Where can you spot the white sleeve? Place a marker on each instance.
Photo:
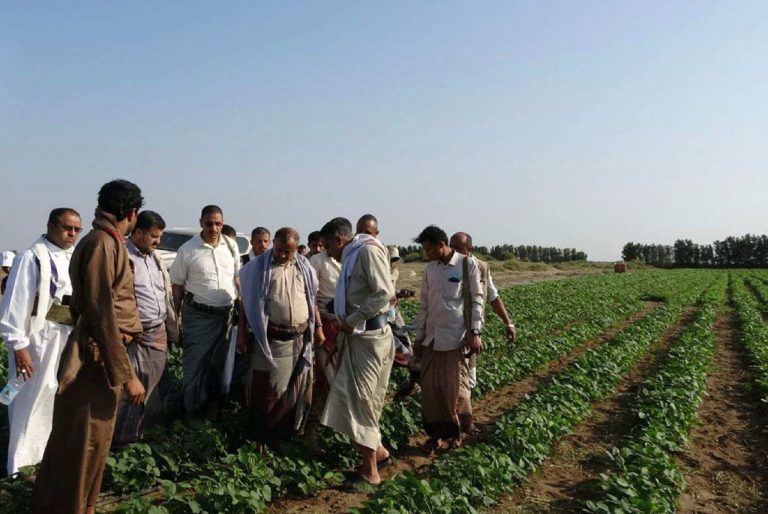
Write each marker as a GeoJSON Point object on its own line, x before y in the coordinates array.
{"type": "Point", "coordinates": [178, 271]}
{"type": "Point", "coordinates": [493, 293]}
{"type": "Point", "coordinates": [18, 301]}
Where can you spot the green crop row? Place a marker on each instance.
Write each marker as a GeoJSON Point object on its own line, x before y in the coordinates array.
{"type": "Point", "coordinates": [644, 477]}
{"type": "Point", "coordinates": [754, 331]}
{"type": "Point", "coordinates": [399, 420]}
{"type": "Point", "coordinates": [179, 453]}
{"type": "Point", "coordinates": [466, 479]}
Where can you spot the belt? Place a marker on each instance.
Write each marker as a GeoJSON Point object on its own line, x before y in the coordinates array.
{"type": "Point", "coordinates": [376, 322]}
{"type": "Point", "coordinates": [280, 332]}
{"type": "Point", "coordinates": [153, 326]}
{"type": "Point", "coordinates": [209, 309]}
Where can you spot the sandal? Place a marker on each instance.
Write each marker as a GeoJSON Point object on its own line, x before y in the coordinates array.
{"type": "Point", "coordinates": [356, 482]}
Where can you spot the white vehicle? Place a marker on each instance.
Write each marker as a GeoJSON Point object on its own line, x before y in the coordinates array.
{"type": "Point", "coordinates": [173, 238]}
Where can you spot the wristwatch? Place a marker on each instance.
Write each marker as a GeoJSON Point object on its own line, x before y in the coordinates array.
{"type": "Point", "coordinates": [475, 332]}
{"type": "Point", "coordinates": [511, 325]}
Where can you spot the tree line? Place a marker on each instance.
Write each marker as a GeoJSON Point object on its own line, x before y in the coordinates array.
{"type": "Point", "coordinates": [527, 253]}
{"type": "Point", "coordinates": [744, 251]}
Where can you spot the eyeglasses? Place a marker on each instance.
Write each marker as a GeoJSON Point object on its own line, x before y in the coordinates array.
{"type": "Point", "coordinates": [71, 228]}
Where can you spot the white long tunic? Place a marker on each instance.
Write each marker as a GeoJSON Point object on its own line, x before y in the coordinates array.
{"type": "Point", "coordinates": [31, 413]}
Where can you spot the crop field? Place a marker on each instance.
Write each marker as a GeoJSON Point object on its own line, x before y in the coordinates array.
{"type": "Point", "coordinates": [636, 392]}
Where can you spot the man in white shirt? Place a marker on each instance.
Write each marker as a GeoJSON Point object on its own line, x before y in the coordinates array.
{"type": "Point", "coordinates": [204, 277]}
{"type": "Point", "coordinates": [447, 331]}
{"type": "Point", "coordinates": [35, 323]}
{"type": "Point", "coordinates": [327, 269]}
{"type": "Point", "coordinates": [260, 237]}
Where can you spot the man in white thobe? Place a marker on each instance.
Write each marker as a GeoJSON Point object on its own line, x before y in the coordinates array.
{"type": "Point", "coordinates": [35, 324]}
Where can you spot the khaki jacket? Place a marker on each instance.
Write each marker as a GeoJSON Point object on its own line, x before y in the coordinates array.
{"type": "Point", "coordinates": [103, 305]}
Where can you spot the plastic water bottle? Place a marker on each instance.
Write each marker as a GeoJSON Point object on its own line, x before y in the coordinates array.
{"type": "Point", "coordinates": [11, 389]}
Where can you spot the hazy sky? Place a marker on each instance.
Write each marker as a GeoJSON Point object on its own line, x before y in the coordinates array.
{"type": "Point", "coordinates": [572, 124]}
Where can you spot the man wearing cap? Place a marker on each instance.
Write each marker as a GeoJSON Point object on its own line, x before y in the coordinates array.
{"type": "Point", "coordinates": [8, 256]}
{"type": "Point", "coordinates": [35, 323]}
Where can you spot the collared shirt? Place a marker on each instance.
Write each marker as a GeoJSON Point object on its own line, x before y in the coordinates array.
{"type": "Point", "coordinates": [149, 285]}
{"type": "Point", "coordinates": [207, 272]}
{"type": "Point", "coordinates": [287, 296]}
{"type": "Point", "coordinates": [19, 300]}
{"type": "Point", "coordinates": [327, 269]}
{"type": "Point", "coordinates": [440, 321]}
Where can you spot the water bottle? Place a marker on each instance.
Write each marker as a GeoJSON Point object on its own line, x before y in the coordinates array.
{"type": "Point", "coordinates": [11, 389]}
{"type": "Point", "coordinates": [391, 315]}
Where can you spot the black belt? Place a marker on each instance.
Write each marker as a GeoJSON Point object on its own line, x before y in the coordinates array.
{"type": "Point", "coordinates": [208, 309]}
{"type": "Point", "coordinates": [283, 333]}
{"type": "Point", "coordinates": [153, 327]}
{"type": "Point", "coordinates": [376, 322]}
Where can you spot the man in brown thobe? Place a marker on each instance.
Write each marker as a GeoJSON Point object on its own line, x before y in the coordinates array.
{"type": "Point", "coordinates": [94, 369]}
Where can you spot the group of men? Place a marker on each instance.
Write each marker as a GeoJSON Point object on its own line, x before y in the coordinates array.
{"type": "Point", "coordinates": [299, 337]}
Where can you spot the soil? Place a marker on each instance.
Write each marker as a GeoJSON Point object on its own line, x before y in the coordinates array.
{"type": "Point", "coordinates": [726, 463]}
{"type": "Point", "coordinates": [562, 485]}
{"type": "Point", "coordinates": [486, 410]}
{"type": "Point", "coordinates": [411, 273]}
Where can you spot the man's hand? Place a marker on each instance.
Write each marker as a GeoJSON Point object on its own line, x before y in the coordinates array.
{"type": "Point", "coordinates": [474, 344]}
{"type": "Point", "coordinates": [134, 391]}
{"type": "Point", "coordinates": [319, 335]}
{"type": "Point", "coordinates": [511, 333]}
{"type": "Point", "coordinates": [346, 327]}
{"type": "Point", "coordinates": [418, 347]}
{"type": "Point", "coordinates": [23, 363]}
{"type": "Point", "coordinates": [242, 341]}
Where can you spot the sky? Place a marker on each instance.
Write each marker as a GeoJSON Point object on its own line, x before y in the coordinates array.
{"type": "Point", "coordinates": [582, 124]}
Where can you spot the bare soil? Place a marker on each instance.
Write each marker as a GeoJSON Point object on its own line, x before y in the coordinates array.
{"type": "Point", "coordinates": [726, 463]}
{"type": "Point", "coordinates": [411, 273]}
{"type": "Point", "coordinates": [486, 410]}
{"type": "Point", "coordinates": [563, 483]}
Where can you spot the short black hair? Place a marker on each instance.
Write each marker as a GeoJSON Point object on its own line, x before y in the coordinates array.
{"type": "Point", "coordinates": [365, 218]}
{"type": "Point", "coordinates": [119, 198]}
{"type": "Point", "coordinates": [336, 227]}
{"type": "Point", "coordinates": [260, 230]}
{"type": "Point", "coordinates": [314, 236]}
{"type": "Point", "coordinates": [229, 231]}
{"type": "Point", "coordinates": [56, 214]}
{"type": "Point", "coordinates": [211, 209]}
{"type": "Point", "coordinates": [432, 235]}
{"type": "Point", "coordinates": [148, 220]}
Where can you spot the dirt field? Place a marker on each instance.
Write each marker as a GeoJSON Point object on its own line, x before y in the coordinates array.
{"type": "Point", "coordinates": [503, 276]}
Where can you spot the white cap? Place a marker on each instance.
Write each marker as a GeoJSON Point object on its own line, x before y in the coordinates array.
{"type": "Point", "coordinates": [8, 256]}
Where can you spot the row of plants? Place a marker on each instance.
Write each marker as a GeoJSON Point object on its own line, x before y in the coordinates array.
{"type": "Point", "coordinates": [399, 421]}
{"type": "Point", "coordinates": [179, 453]}
{"type": "Point", "coordinates": [644, 476]}
{"type": "Point", "coordinates": [754, 330]}
{"type": "Point", "coordinates": [471, 477]}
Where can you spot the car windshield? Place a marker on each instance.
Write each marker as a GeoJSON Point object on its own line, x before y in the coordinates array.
{"type": "Point", "coordinates": [171, 241]}
{"type": "Point", "coordinates": [242, 245]}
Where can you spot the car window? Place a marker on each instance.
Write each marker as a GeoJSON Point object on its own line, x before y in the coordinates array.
{"type": "Point", "coordinates": [242, 244]}
{"type": "Point", "coordinates": [171, 241]}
